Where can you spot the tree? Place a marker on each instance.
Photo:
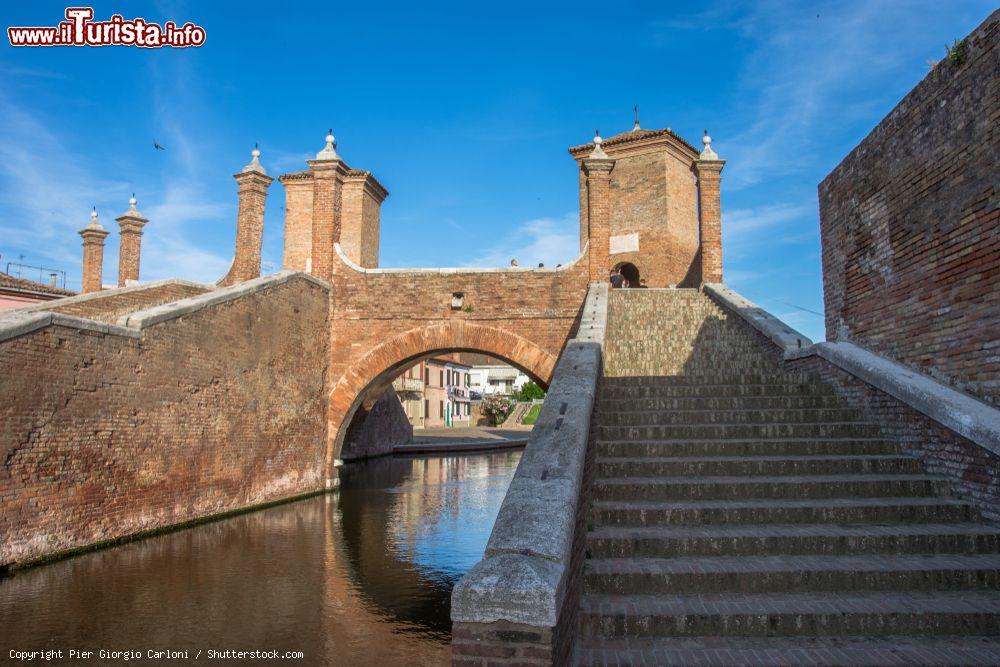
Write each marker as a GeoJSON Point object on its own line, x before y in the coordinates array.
{"type": "Point", "coordinates": [530, 391]}
{"type": "Point", "coordinates": [495, 408]}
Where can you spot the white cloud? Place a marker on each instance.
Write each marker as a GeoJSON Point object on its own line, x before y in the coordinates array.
{"type": "Point", "coordinates": [742, 222]}
{"type": "Point", "coordinates": [548, 240]}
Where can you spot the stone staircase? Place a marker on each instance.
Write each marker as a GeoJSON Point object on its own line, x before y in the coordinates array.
{"type": "Point", "coordinates": [741, 514]}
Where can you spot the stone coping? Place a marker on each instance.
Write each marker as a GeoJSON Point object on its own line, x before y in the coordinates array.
{"type": "Point", "coordinates": [969, 417]}
{"type": "Point", "coordinates": [25, 320]}
{"type": "Point", "coordinates": [19, 323]}
{"type": "Point", "coordinates": [103, 294]}
{"type": "Point", "coordinates": [458, 270]}
{"type": "Point", "coordinates": [523, 575]}
{"type": "Point", "coordinates": [782, 335]}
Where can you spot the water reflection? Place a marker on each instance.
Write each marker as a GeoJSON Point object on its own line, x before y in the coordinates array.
{"type": "Point", "coordinates": [363, 577]}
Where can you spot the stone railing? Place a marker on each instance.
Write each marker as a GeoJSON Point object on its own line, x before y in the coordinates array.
{"type": "Point", "coordinates": [520, 601]}
{"type": "Point", "coordinates": [952, 433]}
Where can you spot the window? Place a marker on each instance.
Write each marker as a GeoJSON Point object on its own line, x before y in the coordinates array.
{"type": "Point", "coordinates": [441, 408]}
{"type": "Point", "coordinates": [427, 376]}
{"type": "Point", "coordinates": [441, 378]}
{"type": "Point", "coordinates": [427, 408]}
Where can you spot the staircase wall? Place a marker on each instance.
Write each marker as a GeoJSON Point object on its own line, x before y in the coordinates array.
{"type": "Point", "coordinates": [973, 471]}
{"type": "Point", "coordinates": [204, 406]}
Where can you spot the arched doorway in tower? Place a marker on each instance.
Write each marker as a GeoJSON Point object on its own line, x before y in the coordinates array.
{"type": "Point", "coordinates": [630, 272]}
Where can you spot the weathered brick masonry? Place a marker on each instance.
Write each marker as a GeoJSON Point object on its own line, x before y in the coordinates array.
{"type": "Point", "coordinates": [653, 204]}
{"type": "Point", "coordinates": [109, 434]}
{"type": "Point", "coordinates": [910, 225]}
{"type": "Point", "coordinates": [973, 472]}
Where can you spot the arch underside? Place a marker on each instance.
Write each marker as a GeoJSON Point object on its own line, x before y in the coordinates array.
{"type": "Point", "coordinates": [368, 378]}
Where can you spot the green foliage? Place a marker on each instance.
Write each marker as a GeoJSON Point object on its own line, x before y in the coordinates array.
{"type": "Point", "coordinates": [530, 392]}
{"type": "Point", "coordinates": [495, 408]}
{"type": "Point", "coordinates": [957, 53]}
{"type": "Point", "coordinates": [532, 416]}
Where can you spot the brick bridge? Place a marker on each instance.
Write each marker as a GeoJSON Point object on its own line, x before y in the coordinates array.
{"type": "Point", "coordinates": [160, 403]}
{"type": "Point", "coordinates": [641, 194]}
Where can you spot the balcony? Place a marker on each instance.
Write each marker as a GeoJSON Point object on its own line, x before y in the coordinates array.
{"type": "Point", "coordinates": [408, 384]}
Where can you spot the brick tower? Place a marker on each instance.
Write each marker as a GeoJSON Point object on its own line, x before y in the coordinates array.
{"type": "Point", "coordinates": [130, 224]}
{"type": "Point", "coordinates": [659, 188]}
{"type": "Point", "coordinates": [331, 203]}
{"type": "Point", "coordinates": [93, 254]}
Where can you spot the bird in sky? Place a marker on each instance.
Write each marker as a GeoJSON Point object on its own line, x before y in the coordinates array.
{"type": "Point", "coordinates": [158, 146]}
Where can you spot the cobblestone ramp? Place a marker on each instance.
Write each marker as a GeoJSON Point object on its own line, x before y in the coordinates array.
{"type": "Point", "coordinates": [741, 514]}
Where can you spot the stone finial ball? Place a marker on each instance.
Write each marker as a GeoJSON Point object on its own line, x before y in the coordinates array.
{"type": "Point", "coordinates": [93, 213]}
{"type": "Point", "coordinates": [132, 201]}
{"type": "Point", "coordinates": [329, 138]}
{"type": "Point", "coordinates": [706, 140]}
{"type": "Point", "coordinates": [255, 153]}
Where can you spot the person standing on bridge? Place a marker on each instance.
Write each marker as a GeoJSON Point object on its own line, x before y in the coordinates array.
{"type": "Point", "coordinates": [617, 279]}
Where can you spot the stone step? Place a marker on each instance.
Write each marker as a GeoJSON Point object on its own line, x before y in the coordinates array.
{"type": "Point", "coordinates": [746, 416]}
{"type": "Point", "coordinates": [747, 447]}
{"type": "Point", "coordinates": [781, 573]}
{"type": "Point", "coordinates": [722, 487]}
{"type": "Point", "coordinates": [793, 614]}
{"type": "Point", "coordinates": [721, 378]}
{"type": "Point", "coordinates": [793, 402]}
{"type": "Point", "coordinates": [661, 369]}
{"type": "Point", "coordinates": [801, 539]}
{"type": "Point", "coordinates": [860, 651]}
{"type": "Point", "coordinates": [683, 466]}
{"type": "Point", "coordinates": [739, 431]}
{"type": "Point", "coordinates": [610, 392]}
{"type": "Point", "coordinates": [619, 513]}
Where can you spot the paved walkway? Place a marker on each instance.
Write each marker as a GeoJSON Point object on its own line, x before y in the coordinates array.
{"type": "Point", "coordinates": [462, 439]}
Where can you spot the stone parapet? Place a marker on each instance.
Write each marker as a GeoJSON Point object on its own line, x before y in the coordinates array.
{"type": "Point", "coordinates": [782, 335]}
{"type": "Point", "coordinates": [520, 600]}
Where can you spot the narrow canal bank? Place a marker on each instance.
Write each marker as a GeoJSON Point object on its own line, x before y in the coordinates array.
{"type": "Point", "coordinates": [363, 576]}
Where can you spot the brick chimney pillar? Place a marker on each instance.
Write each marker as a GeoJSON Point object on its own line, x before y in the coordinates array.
{"type": "Point", "coordinates": [328, 179]}
{"type": "Point", "coordinates": [93, 254]}
{"type": "Point", "coordinates": [708, 166]}
{"type": "Point", "coordinates": [597, 167]}
{"type": "Point", "coordinates": [130, 225]}
{"type": "Point", "coordinates": [253, 182]}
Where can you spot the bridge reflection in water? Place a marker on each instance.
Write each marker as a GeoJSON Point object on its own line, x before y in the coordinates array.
{"type": "Point", "coordinates": [363, 577]}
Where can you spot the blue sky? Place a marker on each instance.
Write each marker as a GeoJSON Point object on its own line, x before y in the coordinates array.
{"type": "Point", "coordinates": [464, 111]}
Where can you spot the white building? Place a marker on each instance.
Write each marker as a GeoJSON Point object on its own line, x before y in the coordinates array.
{"type": "Point", "coordinates": [492, 379]}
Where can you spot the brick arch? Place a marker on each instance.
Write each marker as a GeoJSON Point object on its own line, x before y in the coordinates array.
{"type": "Point", "coordinates": [367, 379]}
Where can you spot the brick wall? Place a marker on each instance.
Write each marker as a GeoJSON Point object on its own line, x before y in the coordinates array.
{"type": "Point", "coordinates": [911, 228]}
{"type": "Point", "coordinates": [110, 305]}
{"type": "Point", "coordinates": [654, 195]}
{"type": "Point", "coordinates": [108, 435]}
{"type": "Point", "coordinates": [298, 220]}
{"type": "Point", "coordinates": [384, 426]}
{"type": "Point", "coordinates": [972, 470]}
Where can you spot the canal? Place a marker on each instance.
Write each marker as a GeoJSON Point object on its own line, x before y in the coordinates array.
{"type": "Point", "coordinates": [361, 577]}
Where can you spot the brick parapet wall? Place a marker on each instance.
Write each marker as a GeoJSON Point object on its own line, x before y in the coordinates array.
{"type": "Point", "coordinates": [108, 435]}
{"type": "Point", "coordinates": [910, 224]}
{"type": "Point", "coordinates": [972, 471]}
{"type": "Point", "coordinates": [110, 305]}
